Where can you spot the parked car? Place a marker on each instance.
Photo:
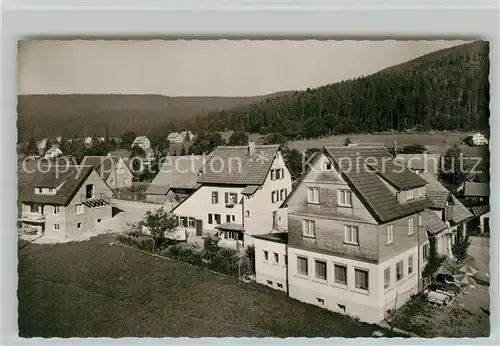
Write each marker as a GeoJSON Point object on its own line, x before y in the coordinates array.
{"type": "Point", "coordinates": [444, 287]}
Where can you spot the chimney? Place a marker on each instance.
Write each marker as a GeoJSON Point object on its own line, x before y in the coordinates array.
{"type": "Point", "coordinates": [448, 209]}
{"type": "Point", "coordinates": [251, 148]}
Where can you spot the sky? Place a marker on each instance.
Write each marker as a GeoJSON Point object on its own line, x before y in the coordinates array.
{"type": "Point", "coordinates": [204, 68]}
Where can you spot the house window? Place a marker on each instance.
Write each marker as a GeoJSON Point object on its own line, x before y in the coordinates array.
{"type": "Point", "coordinates": [302, 265]}
{"type": "Point", "coordinates": [313, 195]}
{"type": "Point", "coordinates": [361, 279]}
{"type": "Point", "coordinates": [210, 219]}
{"type": "Point", "coordinates": [56, 209]}
{"type": "Point", "coordinates": [112, 182]}
{"type": "Point", "coordinates": [273, 174]}
{"type": "Point", "coordinates": [399, 270]}
{"type": "Point", "coordinates": [425, 251]}
{"type": "Point", "coordinates": [320, 270]}
{"type": "Point", "coordinates": [51, 190]}
{"type": "Point", "coordinates": [215, 197]}
{"type": "Point", "coordinates": [276, 258]}
{"type": "Point", "coordinates": [308, 228]}
{"type": "Point", "coordinates": [351, 234]}
{"type": "Point", "coordinates": [274, 196]}
{"type": "Point", "coordinates": [125, 181]}
{"type": "Point", "coordinates": [40, 190]}
{"type": "Point", "coordinates": [56, 227]}
{"type": "Point", "coordinates": [230, 218]}
{"type": "Point", "coordinates": [328, 165]}
{"type": "Point", "coordinates": [320, 301]}
{"type": "Point", "coordinates": [410, 226]}
{"type": "Point", "coordinates": [269, 282]}
{"type": "Point", "coordinates": [278, 174]}
{"type": "Point", "coordinates": [217, 218]}
{"type": "Point", "coordinates": [89, 191]}
{"type": "Point", "coordinates": [266, 255]}
{"type": "Point", "coordinates": [341, 307]}
{"type": "Point", "coordinates": [79, 225]}
{"type": "Point", "coordinates": [340, 274]}
{"type": "Point", "coordinates": [230, 198]}
{"type": "Point", "coordinates": [99, 220]}
{"type": "Point", "coordinates": [247, 213]}
{"type": "Point", "coordinates": [410, 265]}
{"type": "Point", "coordinates": [79, 209]}
{"type": "Point", "coordinates": [409, 194]}
{"type": "Point", "coordinates": [345, 198]}
{"type": "Point", "coordinates": [282, 194]}
{"type": "Point", "coordinates": [390, 234]}
{"type": "Point", "coordinates": [387, 277]}
{"type": "Point", "coordinates": [279, 285]}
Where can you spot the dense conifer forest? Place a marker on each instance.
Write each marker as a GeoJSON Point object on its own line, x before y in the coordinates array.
{"type": "Point", "coordinates": [444, 90]}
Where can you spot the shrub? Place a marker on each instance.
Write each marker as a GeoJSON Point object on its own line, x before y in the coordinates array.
{"type": "Point", "coordinates": [188, 253]}
{"type": "Point", "coordinates": [139, 241]}
{"type": "Point", "coordinates": [250, 253]}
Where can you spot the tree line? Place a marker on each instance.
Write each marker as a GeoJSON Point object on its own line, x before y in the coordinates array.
{"type": "Point", "coordinates": [446, 90]}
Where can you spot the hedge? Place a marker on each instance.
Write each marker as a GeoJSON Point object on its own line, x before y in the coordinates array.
{"type": "Point", "coordinates": [222, 260]}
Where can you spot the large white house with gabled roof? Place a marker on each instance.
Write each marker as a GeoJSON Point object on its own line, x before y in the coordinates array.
{"type": "Point", "coordinates": [239, 195]}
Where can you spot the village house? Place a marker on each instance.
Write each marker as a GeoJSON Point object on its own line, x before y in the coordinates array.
{"type": "Point", "coordinates": [429, 163]}
{"type": "Point", "coordinates": [112, 169]}
{"type": "Point", "coordinates": [356, 235]}
{"type": "Point", "coordinates": [61, 203]}
{"type": "Point", "coordinates": [481, 220]}
{"type": "Point", "coordinates": [477, 139]}
{"type": "Point", "coordinates": [142, 142]}
{"type": "Point", "coordinates": [53, 152]}
{"type": "Point", "coordinates": [175, 181]}
{"type": "Point", "coordinates": [476, 192]}
{"type": "Point", "coordinates": [180, 137]}
{"type": "Point", "coordinates": [41, 145]}
{"type": "Point", "coordinates": [88, 141]}
{"type": "Point", "coordinates": [452, 215]}
{"type": "Point", "coordinates": [241, 189]}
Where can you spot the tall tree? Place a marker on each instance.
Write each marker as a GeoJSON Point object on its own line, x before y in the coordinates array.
{"type": "Point", "coordinates": [159, 224]}
{"type": "Point", "coordinates": [31, 148]}
{"type": "Point", "coordinates": [238, 138]}
{"type": "Point", "coordinates": [128, 138]}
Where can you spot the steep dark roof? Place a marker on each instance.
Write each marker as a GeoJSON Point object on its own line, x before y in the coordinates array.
{"type": "Point", "coordinates": [102, 164]}
{"type": "Point", "coordinates": [460, 212]}
{"type": "Point", "coordinates": [369, 186]}
{"type": "Point", "coordinates": [233, 165]}
{"type": "Point", "coordinates": [476, 189]}
{"type": "Point", "coordinates": [432, 222]}
{"type": "Point", "coordinates": [436, 192]}
{"type": "Point", "coordinates": [180, 172]}
{"type": "Point", "coordinates": [69, 183]}
{"type": "Point", "coordinates": [429, 163]}
{"type": "Point", "coordinates": [478, 210]}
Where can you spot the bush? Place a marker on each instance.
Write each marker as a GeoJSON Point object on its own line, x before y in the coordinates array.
{"type": "Point", "coordinates": [141, 242]}
{"type": "Point", "coordinates": [188, 253]}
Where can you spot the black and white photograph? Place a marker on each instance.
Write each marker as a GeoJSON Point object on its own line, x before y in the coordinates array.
{"type": "Point", "coordinates": [253, 188]}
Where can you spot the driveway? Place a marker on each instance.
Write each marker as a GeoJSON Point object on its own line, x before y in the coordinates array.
{"type": "Point", "coordinates": [125, 212]}
{"type": "Point", "coordinates": [479, 252]}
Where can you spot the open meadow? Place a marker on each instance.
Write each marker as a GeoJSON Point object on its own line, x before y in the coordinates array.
{"type": "Point", "coordinates": [94, 289]}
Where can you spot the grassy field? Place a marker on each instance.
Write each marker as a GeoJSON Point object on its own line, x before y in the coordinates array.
{"type": "Point", "coordinates": [436, 142]}
{"type": "Point", "coordinates": [96, 289]}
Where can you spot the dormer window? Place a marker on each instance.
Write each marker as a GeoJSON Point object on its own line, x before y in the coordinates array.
{"type": "Point", "coordinates": [89, 191]}
{"type": "Point", "coordinates": [409, 194]}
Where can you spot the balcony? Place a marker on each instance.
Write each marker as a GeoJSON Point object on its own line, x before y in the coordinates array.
{"type": "Point", "coordinates": [32, 217]}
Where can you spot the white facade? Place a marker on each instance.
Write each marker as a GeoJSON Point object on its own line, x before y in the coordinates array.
{"type": "Point", "coordinates": [479, 139]}
{"type": "Point", "coordinates": [53, 153]}
{"type": "Point", "coordinates": [270, 263]}
{"type": "Point", "coordinates": [369, 305]}
{"type": "Point", "coordinates": [142, 142]}
{"type": "Point", "coordinates": [254, 213]}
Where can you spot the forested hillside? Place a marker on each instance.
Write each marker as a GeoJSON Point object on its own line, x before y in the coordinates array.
{"type": "Point", "coordinates": [444, 90]}
{"type": "Point", "coordinates": [87, 115]}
